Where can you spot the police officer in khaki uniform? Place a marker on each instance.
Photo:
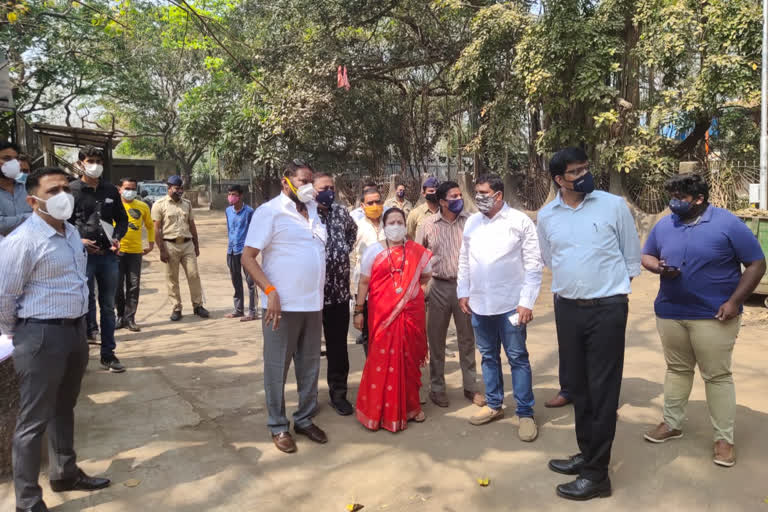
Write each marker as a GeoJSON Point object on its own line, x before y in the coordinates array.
{"type": "Point", "coordinates": [176, 237]}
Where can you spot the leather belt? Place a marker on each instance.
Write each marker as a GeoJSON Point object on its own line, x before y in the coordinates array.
{"type": "Point", "coordinates": [177, 240]}
{"type": "Point", "coordinates": [447, 279]}
{"type": "Point", "coordinates": [50, 321]}
{"type": "Point", "coordinates": [602, 301]}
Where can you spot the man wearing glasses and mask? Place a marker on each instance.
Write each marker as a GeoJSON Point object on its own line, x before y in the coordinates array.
{"type": "Point", "coordinates": [588, 239]}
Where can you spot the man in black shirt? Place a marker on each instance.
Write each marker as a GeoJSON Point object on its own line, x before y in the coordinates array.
{"type": "Point", "coordinates": [99, 210]}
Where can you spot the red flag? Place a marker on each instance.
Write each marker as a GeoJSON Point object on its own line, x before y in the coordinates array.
{"type": "Point", "coordinates": [339, 78]}
{"type": "Point", "coordinates": [345, 79]}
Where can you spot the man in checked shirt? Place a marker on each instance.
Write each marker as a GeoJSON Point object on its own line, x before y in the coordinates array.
{"type": "Point", "coordinates": [441, 233]}
{"type": "Point", "coordinates": [43, 303]}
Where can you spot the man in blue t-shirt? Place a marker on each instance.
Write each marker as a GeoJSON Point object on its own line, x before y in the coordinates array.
{"type": "Point", "coordinates": [698, 251]}
{"type": "Point", "coordinates": [239, 217]}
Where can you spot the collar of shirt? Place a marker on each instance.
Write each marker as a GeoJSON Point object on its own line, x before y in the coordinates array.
{"type": "Point", "coordinates": [48, 231]}
{"type": "Point", "coordinates": [561, 202]}
{"type": "Point", "coordinates": [439, 217]}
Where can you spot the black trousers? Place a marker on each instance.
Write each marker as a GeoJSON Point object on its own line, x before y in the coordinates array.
{"type": "Point", "coordinates": [336, 329]}
{"type": "Point", "coordinates": [591, 342]}
{"type": "Point", "coordinates": [128, 284]}
{"type": "Point", "coordinates": [236, 271]}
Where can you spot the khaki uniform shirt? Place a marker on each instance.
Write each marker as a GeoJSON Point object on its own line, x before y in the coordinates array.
{"type": "Point", "coordinates": [174, 217]}
{"type": "Point", "coordinates": [406, 205]}
{"type": "Point", "coordinates": [415, 217]}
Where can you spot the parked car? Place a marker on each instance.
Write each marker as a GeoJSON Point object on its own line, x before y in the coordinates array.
{"type": "Point", "coordinates": [151, 191]}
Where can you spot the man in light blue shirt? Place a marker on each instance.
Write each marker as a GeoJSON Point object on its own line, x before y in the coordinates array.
{"type": "Point", "coordinates": [588, 239]}
{"type": "Point", "coordinates": [239, 217]}
{"type": "Point", "coordinates": [13, 198]}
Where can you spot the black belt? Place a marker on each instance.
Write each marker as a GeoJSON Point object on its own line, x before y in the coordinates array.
{"type": "Point", "coordinates": [178, 240]}
{"type": "Point", "coordinates": [50, 321]}
{"type": "Point", "coordinates": [602, 301]}
{"type": "Point", "coordinates": [448, 279]}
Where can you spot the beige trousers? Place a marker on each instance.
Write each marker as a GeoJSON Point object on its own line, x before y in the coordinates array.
{"type": "Point", "coordinates": [708, 343]}
{"type": "Point", "coordinates": [183, 254]}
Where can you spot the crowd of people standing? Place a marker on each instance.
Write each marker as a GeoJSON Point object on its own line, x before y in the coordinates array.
{"type": "Point", "coordinates": [401, 274]}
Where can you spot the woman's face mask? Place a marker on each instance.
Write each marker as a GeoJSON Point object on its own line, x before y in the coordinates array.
{"type": "Point", "coordinates": [395, 232]}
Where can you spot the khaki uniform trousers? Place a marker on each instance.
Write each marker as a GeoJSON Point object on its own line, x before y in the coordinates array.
{"type": "Point", "coordinates": [708, 343]}
{"type": "Point", "coordinates": [184, 254]}
{"type": "Point", "coordinates": [443, 303]}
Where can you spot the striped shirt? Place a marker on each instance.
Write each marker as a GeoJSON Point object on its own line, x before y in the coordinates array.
{"type": "Point", "coordinates": [43, 274]}
{"type": "Point", "coordinates": [443, 238]}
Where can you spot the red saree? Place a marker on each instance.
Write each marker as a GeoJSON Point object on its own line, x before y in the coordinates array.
{"type": "Point", "coordinates": [389, 389]}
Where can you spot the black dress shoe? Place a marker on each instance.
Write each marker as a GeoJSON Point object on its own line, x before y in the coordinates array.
{"type": "Point", "coordinates": [313, 432]}
{"type": "Point", "coordinates": [37, 507]}
{"type": "Point", "coordinates": [583, 489]}
{"type": "Point", "coordinates": [201, 312]}
{"type": "Point", "coordinates": [570, 466]}
{"type": "Point", "coordinates": [81, 482]}
{"type": "Point", "coordinates": [342, 406]}
{"type": "Point", "coordinates": [119, 323]}
{"type": "Point", "coordinates": [131, 325]}
{"type": "Point", "coordinates": [175, 316]}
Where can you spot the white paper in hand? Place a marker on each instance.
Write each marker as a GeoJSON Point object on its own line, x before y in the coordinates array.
{"type": "Point", "coordinates": [109, 229]}
{"type": "Point", "coordinates": [514, 318]}
{"type": "Point", "coordinates": [6, 347]}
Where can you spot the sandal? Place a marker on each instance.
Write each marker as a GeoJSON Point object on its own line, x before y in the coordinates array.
{"type": "Point", "coordinates": [248, 318]}
{"type": "Point", "coordinates": [233, 315]}
{"type": "Point", "coordinates": [420, 418]}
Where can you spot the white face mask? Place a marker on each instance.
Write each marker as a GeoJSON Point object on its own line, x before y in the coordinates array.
{"type": "Point", "coordinates": [306, 193]}
{"type": "Point", "coordinates": [93, 170]}
{"type": "Point", "coordinates": [11, 169]}
{"type": "Point", "coordinates": [394, 232]}
{"type": "Point", "coordinates": [59, 206]}
{"type": "Point", "coordinates": [129, 195]}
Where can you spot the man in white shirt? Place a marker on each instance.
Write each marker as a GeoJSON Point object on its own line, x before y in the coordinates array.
{"type": "Point", "coordinates": [290, 237]}
{"type": "Point", "coordinates": [498, 282]}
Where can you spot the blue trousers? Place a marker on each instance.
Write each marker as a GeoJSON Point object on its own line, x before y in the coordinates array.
{"type": "Point", "coordinates": [103, 271]}
{"type": "Point", "coordinates": [492, 333]}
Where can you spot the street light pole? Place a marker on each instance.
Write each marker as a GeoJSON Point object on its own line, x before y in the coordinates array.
{"type": "Point", "coordinates": [764, 115]}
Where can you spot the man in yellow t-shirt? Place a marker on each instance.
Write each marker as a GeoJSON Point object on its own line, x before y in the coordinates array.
{"type": "Point", "coordinates": [131, 252]}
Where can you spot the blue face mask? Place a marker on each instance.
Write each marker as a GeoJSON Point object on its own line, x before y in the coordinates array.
{"type": "Point", "coordinates": [455, 205]}
{"type": "Point", "coordinates": [22, 178]}
{"type": "Point", "coordinates": [679, 207]}
{"type": "Point", "coordinates": [584, 184]}
{"type": "Point", "coordinates": [326, 197]}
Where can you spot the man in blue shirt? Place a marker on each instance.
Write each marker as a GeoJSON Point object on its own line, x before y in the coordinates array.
{"type": "Point", "coordinates": [13, 198]}
{"type": "Point", "coordinates": [588, 239]}
{"type": "Point", "coordinates": [239, 217]}
{"type": "Point", "coordinates": [698, 251]}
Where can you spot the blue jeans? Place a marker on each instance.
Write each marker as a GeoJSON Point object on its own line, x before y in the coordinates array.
{"type": "Point", "coordinates": [103, 270]}
{"type": "Point", "coordinates": [493, 332]}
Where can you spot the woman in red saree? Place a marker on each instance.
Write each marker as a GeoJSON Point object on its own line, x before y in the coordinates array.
{"type": "Point", "coordinates": [392, 273]}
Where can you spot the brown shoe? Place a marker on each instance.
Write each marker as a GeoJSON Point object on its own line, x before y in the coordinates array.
{"type": "Point", "coordinates": [313, 432]}
{"type": "Point", "coordinates": [557, 401]}
{"type": "Point", "coordinates": [725, 454]}
{"type": "Point", "coordinates": [662, 433]}
{"type": "Point", "coordinates": [284, 442]}
{"type": "Point", "coordinates": [439, 398]}
{"type": "Point", "coordinates": [486, 415]}
{"type": "Point", "coordinates": [476, 398]}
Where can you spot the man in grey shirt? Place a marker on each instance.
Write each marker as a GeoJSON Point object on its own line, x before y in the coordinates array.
{"type": "Point", "coordinates": [43, 302]}
{"type": "Point", "coordinates": [13, 198]}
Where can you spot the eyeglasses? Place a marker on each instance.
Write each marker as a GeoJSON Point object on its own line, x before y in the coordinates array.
{"type": "Point", "coordinates": [298, 162]}
{"type": "Point", "coordinates": [578, 172]}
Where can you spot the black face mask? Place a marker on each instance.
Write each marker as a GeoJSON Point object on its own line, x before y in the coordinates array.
{"type": "Point", "coordinates": [432, 198]}
{"type": "Point", "coordinates": [584, 184]}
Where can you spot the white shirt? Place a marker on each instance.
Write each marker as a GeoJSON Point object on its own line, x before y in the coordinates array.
{"type": "Point", "coordinates": [499, 262]}
{"type": "Point", "coordinates": [367, 235]}
{"type": "Point", "coordinates": [292, 252]}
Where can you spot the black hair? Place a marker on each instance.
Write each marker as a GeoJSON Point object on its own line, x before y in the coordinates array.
{"type": "Point", "coordinates": [23, 157]}
{"type": "Point", "coordinates": [688, 185]}
{"type": "Point", "coordinates": [318, 175]}
{"type": "Point", "coordinates": [370, 184]}
{"type": "Point", "coordinates": [235, 188]}
{"type": "Point", "coordinates": [292, 167]}
{"type": "Point", "coordinates": [559, 162]}
{"type": "Point", "coordinates": [369, 190]}
{"type": "Point", "coordinates": [33, 180]}
{"type": "Point", "coordinates": [493, 181]}
{"type": "Point", "coordinates": [4, 144]}
{"type": "Point", "coordinates": [127, 179]}
{"type": "Point", "coordinates": [89, 150]}
{"type": "Point", "coordinates": [390, 211]}
{"type": "Point", "coordinates": [442, 190]}
{"type": "Point", "coordinates": [399, 183]}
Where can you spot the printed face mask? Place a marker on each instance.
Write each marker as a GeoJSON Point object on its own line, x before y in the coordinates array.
{"type": "Point", "coordinates": [485, 202]}
{"type": "Point", "coordinates": [326, 197]}
{"type": "Point", "coordinates": [679, 207]}
{"type": "Point", "coordinates": [584, 184]}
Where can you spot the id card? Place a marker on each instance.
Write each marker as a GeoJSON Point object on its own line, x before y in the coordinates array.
{"type": "Point", "coordinates": [514, 318]}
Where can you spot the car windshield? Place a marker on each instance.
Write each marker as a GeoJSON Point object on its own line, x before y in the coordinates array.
{"type": "Point", "coordinates": [155, 189]}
